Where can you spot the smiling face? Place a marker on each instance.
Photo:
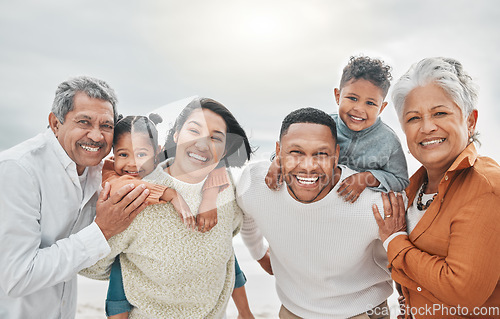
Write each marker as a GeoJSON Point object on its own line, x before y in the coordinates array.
{"type": "Point", "coordinates": [360, 102]}
{"type": "Point", "coordinates": [87, 132]}
{"type": "Point", "coordinates": [308, 156]}
{"type": "Point", "coordinates": [134, 155]}
{"type": "Point", "coordinates": [435, 128]}
{"type": "Point", "coordinates": [200, 145]}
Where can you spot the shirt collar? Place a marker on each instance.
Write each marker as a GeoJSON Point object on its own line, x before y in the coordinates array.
{"type": "Point", "coordinates": [93, 172]}
{"type": "Point", "coordinates": [61, 154]}
{"type": "Point", "coordinates": [465, 160]}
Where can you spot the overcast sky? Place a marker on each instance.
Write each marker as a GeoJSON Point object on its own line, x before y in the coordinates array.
{"type": "Point", "coordinates": [262, 59]}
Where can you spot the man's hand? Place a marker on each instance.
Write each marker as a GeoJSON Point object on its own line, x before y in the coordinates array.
{"type": "Point", "coordinates": [115, 213]}
{"type": "Point", "coordinates": [265, 263]}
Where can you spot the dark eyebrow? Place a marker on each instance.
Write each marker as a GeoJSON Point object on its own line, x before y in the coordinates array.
{"type": "Point", "coordinates": [352, 93]}
{"type": "Point", "coordinates": [219, 132]}
{"type": "Point", "coordinates": [83, 116]}
{"type": "Point", "coordinates": [216, 131]}
{"type": "Point", "coordinates": [193, 121]}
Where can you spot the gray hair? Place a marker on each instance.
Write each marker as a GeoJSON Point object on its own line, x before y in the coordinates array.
{"type": "Point", "coordinates": [94, 88]}
{"type": "Point", "coordinates": [445, 72]}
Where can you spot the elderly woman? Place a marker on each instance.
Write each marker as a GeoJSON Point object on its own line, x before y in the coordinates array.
{"type": "Point", "coordinates": [445, 251]}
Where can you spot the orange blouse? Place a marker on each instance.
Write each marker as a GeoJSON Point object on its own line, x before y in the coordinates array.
{"type": "Point", "coordinates": [449, 266]}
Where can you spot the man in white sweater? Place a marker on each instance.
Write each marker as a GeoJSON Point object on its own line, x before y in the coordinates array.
{"type": "Point", "coordinates": [325, 253]}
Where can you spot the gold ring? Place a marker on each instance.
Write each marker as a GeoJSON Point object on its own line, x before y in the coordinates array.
{"type": "Point", "coordinates": [387, 216]}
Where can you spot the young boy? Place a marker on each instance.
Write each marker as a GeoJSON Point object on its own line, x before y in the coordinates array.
{"type": "Point", "coordinates": [367, 144]}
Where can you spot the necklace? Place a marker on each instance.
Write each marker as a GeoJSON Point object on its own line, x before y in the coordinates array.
{"type": "Point", "coordinates": [421, 206]}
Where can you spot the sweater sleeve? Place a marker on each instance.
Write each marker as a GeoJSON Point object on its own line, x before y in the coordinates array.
{"type": "Point", "coordinates": [253, 238]}
{"type": "Point", "coordinates": [217, 178]}
{"type": "Point", "coordinates": [118, 181]}
{"type": "Point", "coordinates": [469, 273]}
{"type": "Point", "coordinates": [250, 233]}
{"type": "Point", "coordinates": [118, 243]}
{"type": "Point", "coordinates": [393, 175]}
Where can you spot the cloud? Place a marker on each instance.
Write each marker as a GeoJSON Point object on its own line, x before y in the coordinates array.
{"type": "Point", "coordinates": [261, 59]}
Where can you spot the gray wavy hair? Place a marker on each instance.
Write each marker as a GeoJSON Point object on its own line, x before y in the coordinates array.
{"type": "Point", "coordinates": [94, 88]}
{"type": "Point", "coordinates": [445, 72]}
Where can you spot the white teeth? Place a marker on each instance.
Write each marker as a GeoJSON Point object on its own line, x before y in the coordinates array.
{"type": "Point", "coordinates": [357, 118]}
{"type": "Point", "coordinates": [432, 142]}
{"type": "Point", "coordinates": [198, 157]}
{"type": "Point", "coordinates": [90, 149]}
{"type": "Point", "coordinates": [307, 180]}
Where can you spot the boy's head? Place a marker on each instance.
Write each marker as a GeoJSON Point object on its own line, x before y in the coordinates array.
{"type": "Point", "coordinates": [135, 145]}
{"type": "Point", "coordinates": [363, 87]}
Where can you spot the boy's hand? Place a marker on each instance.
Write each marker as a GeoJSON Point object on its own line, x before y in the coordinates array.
{"type": "Point", "coordinates": [351, 187]}
{"type": "Point", "coordinates": [207, 212]}
{"type": "Point", "coordinates": [180, 205]}
{"type": "Point", "coordinates": [274, 179]}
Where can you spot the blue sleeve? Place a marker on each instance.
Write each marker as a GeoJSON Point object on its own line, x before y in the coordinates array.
{"type": "Point", "coordinates": [116, 301]}
{"type": "Point", "coordinates": [394, 174]}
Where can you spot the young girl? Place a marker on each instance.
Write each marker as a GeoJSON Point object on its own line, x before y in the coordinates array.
{"type": "Point", "coordinates": [136, 152]}
{"type": "Point", "coordinates": [169, 271]}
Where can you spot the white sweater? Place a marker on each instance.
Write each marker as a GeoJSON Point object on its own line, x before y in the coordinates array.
{"type": "Point", "coordinates": [170, 271]}
{"type": "Point", "coordinates": [326, 256]}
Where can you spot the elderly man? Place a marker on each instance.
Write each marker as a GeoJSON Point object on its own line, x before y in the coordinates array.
{"type": "Point", "coordinates": [48, 201]}
{"type": "Point", "coordinates": [325, 253]}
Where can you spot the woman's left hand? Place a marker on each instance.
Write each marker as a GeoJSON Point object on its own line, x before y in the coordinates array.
{"type": "Point", "coordinates": [394, 215]}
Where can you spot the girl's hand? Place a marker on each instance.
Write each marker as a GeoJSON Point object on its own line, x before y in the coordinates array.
{"type": "Point", "coordinates": [180, 205]}
{"type": "Point", "coordinates": [206, 220]}
{"type": "Point", "coordinates": [394, 215]}
{"type": "Point", "coordinates": [207, 212]}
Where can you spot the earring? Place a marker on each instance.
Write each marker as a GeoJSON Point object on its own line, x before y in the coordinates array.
{"type": "Point", "coordinates": [471, 139]}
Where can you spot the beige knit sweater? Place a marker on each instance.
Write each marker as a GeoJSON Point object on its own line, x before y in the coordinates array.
{"type": "Point", "coordinates": [168, 270]}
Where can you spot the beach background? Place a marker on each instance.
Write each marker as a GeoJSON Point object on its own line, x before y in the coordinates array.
{"type": "Point", "coordinates": [262, 59]}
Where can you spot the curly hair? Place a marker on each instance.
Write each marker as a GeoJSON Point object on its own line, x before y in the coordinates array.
{"type": "Point", "coordinates": [373, 70]}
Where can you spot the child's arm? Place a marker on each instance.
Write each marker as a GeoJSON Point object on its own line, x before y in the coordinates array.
{"type": "Point", "coordinates": [158, 193]}
{"type": "Point", "coordinates": [180, 205]}
{"type": "Point", "coordinates": [351, 187]}
{"type": "Point", "coordinates": [393, 175]}
{"type": "Point", "coordinates": [274, 179]}
{"type": "Point", "coordinates": [216, 182]}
